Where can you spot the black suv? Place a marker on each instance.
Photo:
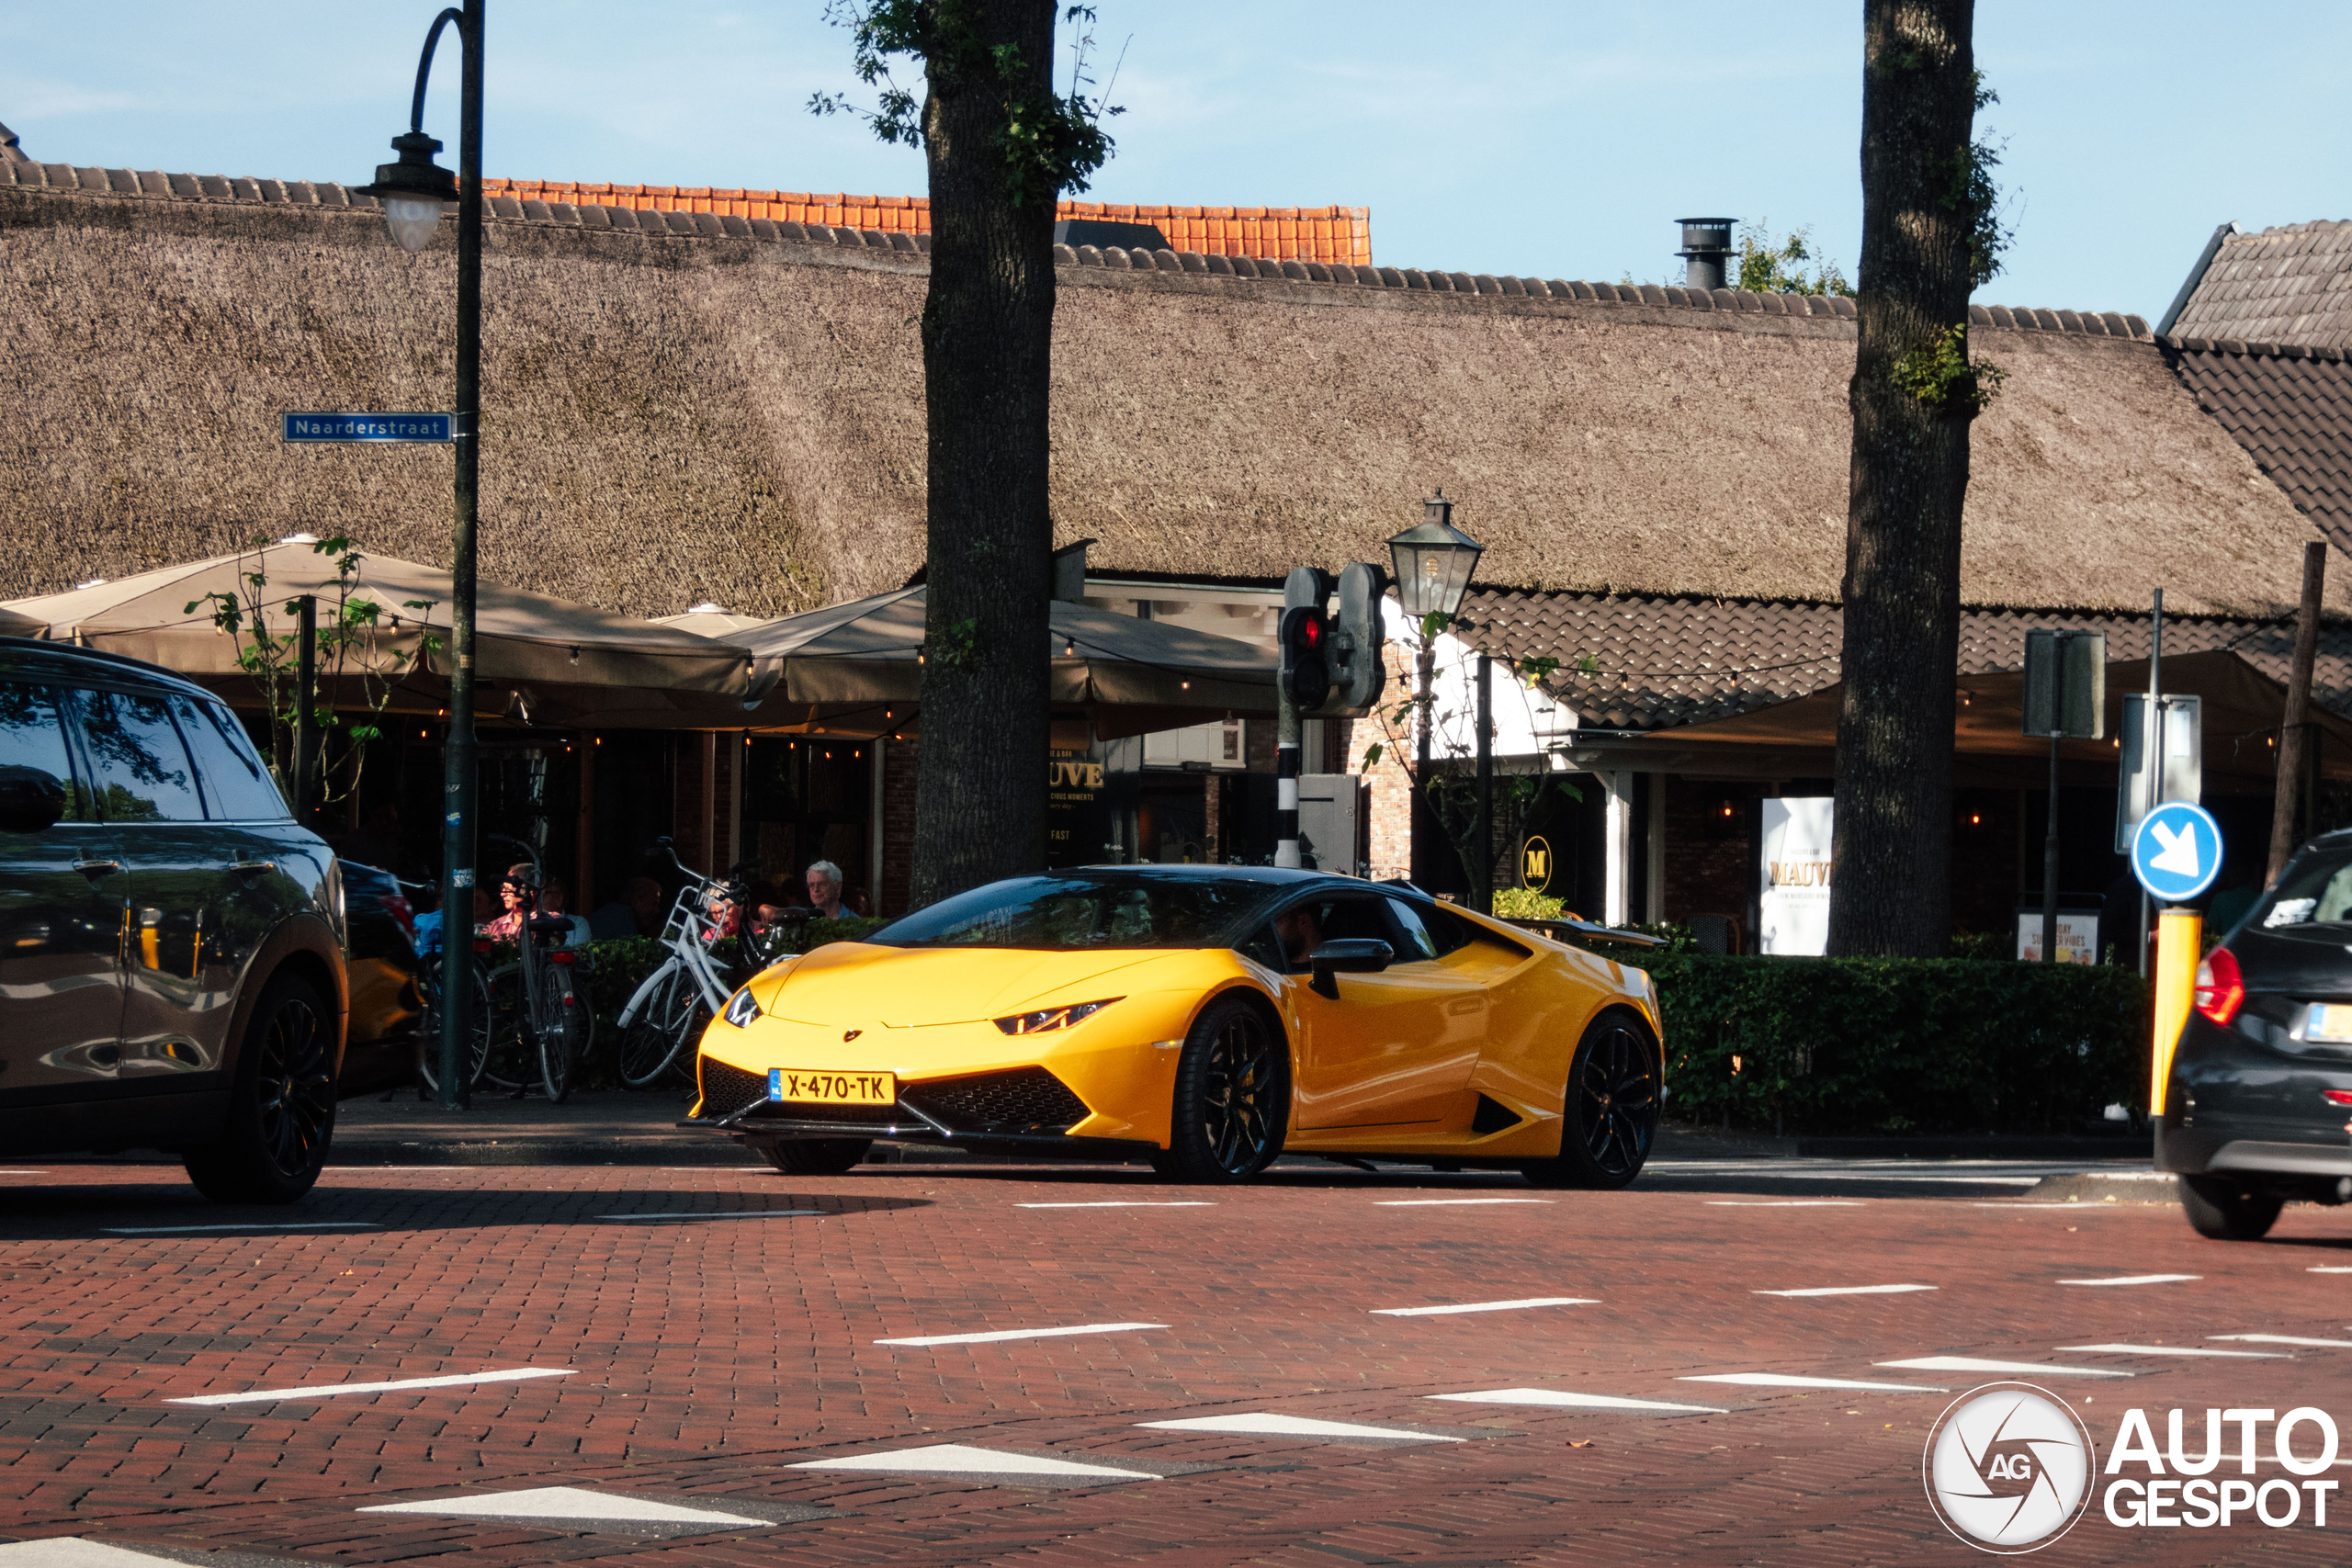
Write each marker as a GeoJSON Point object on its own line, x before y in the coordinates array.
{"type": "Point", "coordinates": [171, 942]}
{"type": "Point", "coordinates": [2261, 1088]}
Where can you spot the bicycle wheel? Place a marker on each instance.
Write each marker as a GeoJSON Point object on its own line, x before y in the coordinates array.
{"type": "Point", "coordinates": [508, 1052]}
{"type": "Point", "coordinates": [653, 1039]}
{"type": "Point", "coordinates": [481, 1021]}
{"type": "Point", "coordinates": [559, 1027]}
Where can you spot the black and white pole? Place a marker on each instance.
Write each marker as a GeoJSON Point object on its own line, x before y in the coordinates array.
{"type": "Point", "coordinates": [1286, 732]}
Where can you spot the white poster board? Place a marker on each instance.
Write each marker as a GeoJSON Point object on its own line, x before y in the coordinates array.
{"type": "Point", "coordinates": [1794, 910]}
{"type": "Point", "coordinates": [2078, 936]}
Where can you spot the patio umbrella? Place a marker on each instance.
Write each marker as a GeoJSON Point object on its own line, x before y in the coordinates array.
{"type": "Point", "coordinates": [547, 660]}
{"type": "Point", "coordinates": [845, 667]}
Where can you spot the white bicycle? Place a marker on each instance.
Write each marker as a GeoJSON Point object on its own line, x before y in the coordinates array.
{"type": "Point", "coordinates": [678, 1000]}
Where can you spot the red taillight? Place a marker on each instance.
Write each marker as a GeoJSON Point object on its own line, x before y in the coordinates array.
{"type": "Point", "coordinates": [2221, 989]}
{"type": "Point", "coordinates": [562, 957]}
{"type": "Point", "coordinates": [396, 905]}
{"type": "Point", "coordinates": [484, 944]}
{"type": "Point", "coordinates": [2337, 1096]}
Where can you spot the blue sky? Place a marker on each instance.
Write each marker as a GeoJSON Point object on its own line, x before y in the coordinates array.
{"type": "Point", "coordinates": [1557, 140]}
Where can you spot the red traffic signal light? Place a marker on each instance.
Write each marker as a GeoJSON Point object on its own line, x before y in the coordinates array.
{"type": "Point", "coordinates": [1306, 673]}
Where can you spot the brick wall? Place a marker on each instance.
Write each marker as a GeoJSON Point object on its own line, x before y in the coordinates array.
{"type": "Point", "coordinates": [1391, 793]}
{"type": "Point", "coordinates": [1710, 868]}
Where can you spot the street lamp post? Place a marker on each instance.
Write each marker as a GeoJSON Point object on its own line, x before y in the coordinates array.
{"type": "Point", "coordinates": [1433, 561]}
{"type": "Point", "coordinates": [415, 192]}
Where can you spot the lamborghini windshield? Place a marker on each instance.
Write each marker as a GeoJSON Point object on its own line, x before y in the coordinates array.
{"type": "Point", "coordinates": [1066, 910]}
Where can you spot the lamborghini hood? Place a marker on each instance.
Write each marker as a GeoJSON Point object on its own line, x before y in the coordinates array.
{"type": "Point", "coordinates": [852, 982]}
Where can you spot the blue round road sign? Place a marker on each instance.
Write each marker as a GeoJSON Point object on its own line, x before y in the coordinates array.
{"type": "Point", "coordinates": [2177, 853]}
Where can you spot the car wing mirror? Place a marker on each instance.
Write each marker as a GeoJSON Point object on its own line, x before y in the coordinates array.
{"type": "Point", "coordinates": [1347, 955]}
{"type": "Point", "coordinates": [31, 800]}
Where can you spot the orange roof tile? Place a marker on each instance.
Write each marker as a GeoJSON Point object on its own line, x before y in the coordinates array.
{"type": "Point", "coordinates": [1332, 235]}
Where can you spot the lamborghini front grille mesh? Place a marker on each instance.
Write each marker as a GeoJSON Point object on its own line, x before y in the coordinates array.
{"type": "Point", "coordinates": [1027, 1099]}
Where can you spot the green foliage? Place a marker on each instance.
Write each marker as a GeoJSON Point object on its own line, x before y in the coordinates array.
{"type": "Point", "coordinates": [1526, 904]}
{"type": "Point", "coordinates": [1050, 142]}
{"type": "Point", "coordinates": [1940, 375]}
{"type": "Point", "coordinates": [956, 645]}
{"type": "Point", "coordinates": [1768, 265]}
{"type": "Point", "coordinates": [346, 647]}
{"type": "Point", "coordinates": [1974, 193]}
{"type": "Point", "coordinates": [1864, 1045]}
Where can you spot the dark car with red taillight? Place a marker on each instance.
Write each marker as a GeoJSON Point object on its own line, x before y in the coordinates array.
{"type": "Point", "coordinates": [2256, 1114]}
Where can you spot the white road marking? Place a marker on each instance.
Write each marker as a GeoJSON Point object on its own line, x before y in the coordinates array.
{"type": "Point", "coordinates": [1847, 1291]}
{"type": "Point", "coordinates": [730, 1214]}
{"type": "Point", "coordinates": [329, 1391]}
{"type": "Point", "coordinates": [2285, 1339]}
{"type": "Point", "coordinates": [2136, 1279]}
{"type": "Point", "coordinates": [960, 1458]}
{"type": "Point", "coordinates": [1124, 1203]}
{"type": "Point", "coordinates": [72, 1552]}
{"type": "Point", "coordinates": [1485, 1306]}
{"type": "Point", "coordinates": [2077, 1208]}
{"type": "Point", "coordinates": [1566, 1401]}
{"type": "Point", "coordinates": [1978, 1364]}
{"type": "Point", "coordinates": [2174, 1350]}
{"type": "Point", "coordinates": [997, 1335]}
{"type": "Point", "coordinates": [1784, 1203]}
{"type": "Point", "coordinates": [290, 1225]}
{"type": "Point", "coordinates": [1266, 1423]}
{"type": "Point", "coordinates": [23, 1173]}
{"type": "Point", "coordinates": [1784, 1380]}
{"type": "Point", "coordinates": [1451, 1203]}
{"type": "Point", "coordinates": [567, 1502]}
{"type": "Point", "coordinates": [2328, 1268]}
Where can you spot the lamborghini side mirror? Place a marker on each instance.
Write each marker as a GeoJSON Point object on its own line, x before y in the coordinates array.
{"type": "Point", "coordinates": [1347, 955]}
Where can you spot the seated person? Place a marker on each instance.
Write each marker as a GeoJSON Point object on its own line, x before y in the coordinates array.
{"type": "Point", "coordinates": [637, 912]}
{"type": "Point", "coordinates": [515, 892]}
{"type": "Point", "coordinates": [1301, 933]}
{"type": "Point", "coordinates": [553, 899]}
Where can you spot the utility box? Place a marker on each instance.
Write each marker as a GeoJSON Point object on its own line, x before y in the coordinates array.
{"type": "Point", "coordinates": [1333, 824]}
{"type": "Point", "coordinates": [2184, 763]}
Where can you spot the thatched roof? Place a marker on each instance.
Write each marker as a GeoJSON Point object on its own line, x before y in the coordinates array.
{"type": "Point", "coordinates": [684, 406]}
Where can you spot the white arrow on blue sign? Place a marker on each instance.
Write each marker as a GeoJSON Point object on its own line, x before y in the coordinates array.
{"type": "Point", "coordinates": [2177, 853]}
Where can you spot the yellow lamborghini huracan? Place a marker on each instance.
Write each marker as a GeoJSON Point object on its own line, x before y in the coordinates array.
{"type": "Point", "coordinates": [1210, 1017]}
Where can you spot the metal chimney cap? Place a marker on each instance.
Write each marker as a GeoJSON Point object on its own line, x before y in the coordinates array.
{"type": "Point", "coordinates": [1708, 235]}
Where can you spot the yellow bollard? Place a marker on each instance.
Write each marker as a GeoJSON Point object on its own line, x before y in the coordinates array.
{"type": "Point", "coordinates": [2180, 935]}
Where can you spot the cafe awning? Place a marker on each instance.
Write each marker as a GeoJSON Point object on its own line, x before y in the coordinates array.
{"type": "Point", "coordinates": [856, 669]}
{"type": "Point", "coordinates": [538, 660]}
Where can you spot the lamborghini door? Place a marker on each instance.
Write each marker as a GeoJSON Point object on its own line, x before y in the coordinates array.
{"type": "Point", "coordinates": [1392, 1049]}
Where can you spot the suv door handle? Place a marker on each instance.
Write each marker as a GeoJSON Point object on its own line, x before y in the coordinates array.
{"type": "Point", "coordinates": [98, 867]}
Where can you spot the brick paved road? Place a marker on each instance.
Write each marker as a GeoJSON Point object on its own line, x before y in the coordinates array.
{"type": "Point", "coordinates": [715, 1336]}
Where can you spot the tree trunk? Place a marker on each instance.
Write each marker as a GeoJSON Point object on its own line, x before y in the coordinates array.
{"type": "Point", "coordinates": [987, 339]}
{"type": "Point", "coordinates": [1909, 478]}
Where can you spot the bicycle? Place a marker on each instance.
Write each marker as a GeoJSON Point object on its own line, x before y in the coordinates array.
{"type": "Point", "coordinates": [554, 1019]}
{"type": "Point", "coordinates": [678, 1000]}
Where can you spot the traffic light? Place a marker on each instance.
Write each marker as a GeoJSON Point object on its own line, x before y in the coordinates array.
{"type": "Point", "coordinates": [1306, 666]}
{"type": "Point", "coordinates": [1359, 672]}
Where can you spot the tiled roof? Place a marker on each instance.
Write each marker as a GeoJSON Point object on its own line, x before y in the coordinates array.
{"type": "Point", "coordinates": [2289, 285]}
{"type": "Point", "coordinates": [718, 225]}
{"type": "Point", "coordinates": [1661, 663]}
{"type": "Point", "coordinates": [2291, 407]}
{"type": "Point", "coordinates": [1326, 234]}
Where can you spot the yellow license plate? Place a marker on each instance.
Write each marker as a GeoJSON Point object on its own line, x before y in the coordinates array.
{"type": "Point", "coordinates": [2331, 1023]}
{"type": "Point", "coordinates": [832, 1088]}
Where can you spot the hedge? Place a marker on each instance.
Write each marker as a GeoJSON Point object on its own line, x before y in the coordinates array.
{"type": "Point", "coordinates": [1830, 1045]}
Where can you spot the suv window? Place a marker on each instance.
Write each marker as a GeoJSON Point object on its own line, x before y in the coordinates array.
{"type": "Point", "coordinates": [2318, 892]}
{"type": "Point", "coordinates": [141, 771]}
{"type": "Point", "coordinates": [33, 736]}
{"type": "Point", "coordinates": [236, 786]}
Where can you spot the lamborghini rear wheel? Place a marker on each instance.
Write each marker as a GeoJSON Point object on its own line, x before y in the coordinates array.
{"type": "Point", "coordinates": [1232, 1101]}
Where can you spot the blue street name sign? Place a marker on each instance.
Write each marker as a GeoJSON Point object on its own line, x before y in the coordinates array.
{"type": "Point", "coordinates": [309, 427]}
{"type": "Point", "coordinates": [2177, 853]}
